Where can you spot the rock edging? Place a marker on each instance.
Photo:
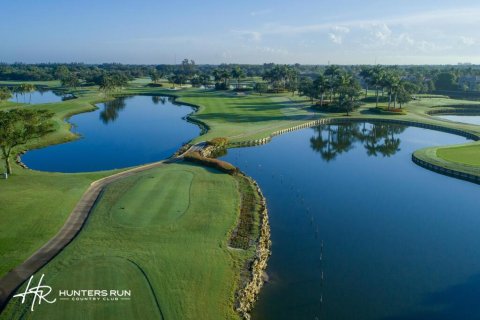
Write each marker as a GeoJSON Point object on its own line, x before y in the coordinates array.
{"type": "Point", "coordinates": [249, 293]}
{"type": "Point", "coordinates": [445, 171]}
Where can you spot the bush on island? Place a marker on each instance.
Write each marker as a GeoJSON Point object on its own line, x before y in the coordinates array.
{"type": "Point", "coordinates": [220, 165]}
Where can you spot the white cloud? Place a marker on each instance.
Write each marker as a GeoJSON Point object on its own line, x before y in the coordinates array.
{"type": "Point", "coordinates": [468, 41]}
{"type": "Point", "coordinates": [337, 33]}
{"type": "Point", "coordinates": [254, 36]}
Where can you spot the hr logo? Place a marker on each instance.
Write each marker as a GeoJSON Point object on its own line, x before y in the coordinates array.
{"type": "Point", "coordinates": [39, 292]}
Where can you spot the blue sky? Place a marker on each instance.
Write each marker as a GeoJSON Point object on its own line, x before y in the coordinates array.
{"type": "Point", "coordinates": [282, 31]}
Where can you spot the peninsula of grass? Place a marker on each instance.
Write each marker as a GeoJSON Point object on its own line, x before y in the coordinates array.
{"type": "Point", "coordinates": [164, 235]}
{"type": "Point", "coordinates": [466, 155]}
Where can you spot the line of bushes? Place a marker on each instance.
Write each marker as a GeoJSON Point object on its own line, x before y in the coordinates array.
{"type": "Point", "coordinates": [244, 234]}
{"type": "Point", "coordinates": [196, 157]}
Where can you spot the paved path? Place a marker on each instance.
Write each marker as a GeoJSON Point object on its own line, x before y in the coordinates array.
{"type": "Point", "coordinates": [15, 277]}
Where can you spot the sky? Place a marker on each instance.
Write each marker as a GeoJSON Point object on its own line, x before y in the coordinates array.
{"type": "Point", "coordinates": [247, 31]}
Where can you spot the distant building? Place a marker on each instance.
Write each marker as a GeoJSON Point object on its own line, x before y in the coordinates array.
{"type": "Point", "coordinates": [471, 82]}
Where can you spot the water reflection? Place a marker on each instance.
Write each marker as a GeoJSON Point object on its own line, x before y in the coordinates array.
{"type": "Point", "coordinates": [158, 99]}
{"type": "Point", "coordinates": [123, 132]}
{"type": "Point", "coordinates": [377, 139]}
{"type": "Point", "coordinates": [347, 246]}
{"type": "Point", "coordinates": [111, 109]}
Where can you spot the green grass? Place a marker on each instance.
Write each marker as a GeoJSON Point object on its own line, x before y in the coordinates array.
{"type": "Point", "coordinates": [172, 232]}
{"type": "Point", "coordinates": [469, 154]}
{"type": "Point", "coordinates": [34, 206]}
{"type": "Point", "coordinates": [171, 250]}
{"type": "Point", "coordinates": [240, 117]}
{"type": "Point", "coordinates": [51, 83]}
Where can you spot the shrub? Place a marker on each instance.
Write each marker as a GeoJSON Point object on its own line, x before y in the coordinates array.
{"type": "Point", "coordinates": [218, 142]}
{"type": "Point", "coordinates": [154, 85]}
{"type": "Point", "coordinates": [212, 163]}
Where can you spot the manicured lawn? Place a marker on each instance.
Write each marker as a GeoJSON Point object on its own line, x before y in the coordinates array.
{"type": "Point", "coordinates": [469, 155]}
{"type": "Point", "coordinates": [34, 206]}
{"type": "Point", "coordinates": [162, 234]}
{"type": "Point", "coordinates": [178, 240]}
{"type": "Point", "coordinates": [240, 116]}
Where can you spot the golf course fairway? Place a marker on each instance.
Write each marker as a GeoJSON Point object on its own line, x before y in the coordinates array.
{"type": "Point", "coordinates": [169, 248]}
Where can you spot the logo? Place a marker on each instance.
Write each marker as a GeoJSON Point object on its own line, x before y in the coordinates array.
{"type": "Point", "coordinates": [39, 292]}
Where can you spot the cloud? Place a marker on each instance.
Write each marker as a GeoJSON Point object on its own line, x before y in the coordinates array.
{"type": "Point", "coordinates": [260, 12]}
{"type": "Point", "coordinates": [337, 33]}
{"type": "Point", "coordinates": [254, 36]}
{"type": "Point", "coordinates": [468, 41]}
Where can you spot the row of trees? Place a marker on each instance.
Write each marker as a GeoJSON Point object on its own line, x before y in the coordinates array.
{"type": "Point", "coordinates": [390, 80]}
{"type": "Point", "coordinates": [341, 89]}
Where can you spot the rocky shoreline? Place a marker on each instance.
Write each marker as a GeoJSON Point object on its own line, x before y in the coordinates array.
{"type": "Point", "coordinates": [247, 295]}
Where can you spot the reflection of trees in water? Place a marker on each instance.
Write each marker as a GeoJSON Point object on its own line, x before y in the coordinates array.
{"type": "Point", "coordinates": [158, 99]}
{"type": "Point", "coordinates": [332, 140]}
{"type": "Point", "coordinates": [111, 109]}
{"type": "Point", "coordinates": [377, 139]}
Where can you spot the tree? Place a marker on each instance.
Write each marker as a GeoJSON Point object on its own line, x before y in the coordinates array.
{"type": "Point", "coordinates": [306, 89]}
{"type": "Point", "coordinates": [17, 126]}
{"type": "Point", "coordinates": [61, 72]}
{"type": "Point", "coordinates": [5, 94]}
{"type": "Point", "coordinates": [446, 81]}
{"type": "Point", "coordinates": [70, 81]}
{"type": "Point", "coordinates": [348, 92]}
{"type": "Point", "coordinates": [154, 76]}
{"type": "Point", "coordinates": [237, 73]}
{"type": "Point", "coordinates": [320, 87]}
{"type": "Point", "coordinates": [374, 77]}
{"type": "Point", "coordinates": [260, 87]}
{"type": "Point", "coordinates": [222, 78]}
{"type": "Point", "coordinates": [391, 81]}
{"type": "Point", "coordinates": [204, 80]}
{"type": "Point", "coordinates": [332, 71]}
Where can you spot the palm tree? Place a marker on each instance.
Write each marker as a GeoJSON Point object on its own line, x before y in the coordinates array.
{"type": "Point", "coordinates": [237, 73]}
{"type": "Point", "coordinates": [332, 71]}
{"type": "Point", "coordinates": [320, 85]}
{"type": "Point", "coordinates": [377, 75]}
{"type": "Point", "coordinates": [392, 82]}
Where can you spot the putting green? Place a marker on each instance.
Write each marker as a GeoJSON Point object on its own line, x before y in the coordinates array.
{"type": "Point", "coordinates": [469, 155]}
{"type": "Point", "coordinates": [174, 253]}
{"type": "Point", "coordinates": [160, 198]}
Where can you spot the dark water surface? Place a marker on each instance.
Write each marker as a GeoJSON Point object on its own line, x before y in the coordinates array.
{"type": "Point", "coordinates": [361, 232]}
{"type": "Point", "coordinates": [121, 133]}
{"type": "Point", "coordinates": [40, 96]}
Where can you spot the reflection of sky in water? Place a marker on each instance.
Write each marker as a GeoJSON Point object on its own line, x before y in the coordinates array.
{"type": "Point", "coordinates": [37, 97]}
{"type": "Point", "coordinates": [121, 133]}
{"type": "Point", "coordinates": [464, 119]}
{"type": "Point", "coordinates": [399, 241]}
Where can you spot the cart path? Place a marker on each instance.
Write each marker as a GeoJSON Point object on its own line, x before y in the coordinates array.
{"type": "Point", "coordinates": [75, 221]}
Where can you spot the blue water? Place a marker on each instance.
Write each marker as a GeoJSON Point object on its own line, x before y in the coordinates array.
{"type": "Point", "coordinates": [361, 232]}
{"type": "Point", "coordinates": [464, 119]}
{"type": "Point", "coordinates": [121, 133]}
{"type": "Point", "coordinates": [37, 97]}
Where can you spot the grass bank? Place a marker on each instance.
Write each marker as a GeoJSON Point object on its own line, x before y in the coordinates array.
{"type": "Point", "coordinates": [164, 235]}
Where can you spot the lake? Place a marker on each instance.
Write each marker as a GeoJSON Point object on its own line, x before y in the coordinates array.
{"type": "Point", "coordinates": [465, 119]}
{"type": "Point", "coordinates": [361, 232]}
{"type": "Point", "coordinates": [121, 133]}
{"type": "Point", "coordinates": [41, 96]}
